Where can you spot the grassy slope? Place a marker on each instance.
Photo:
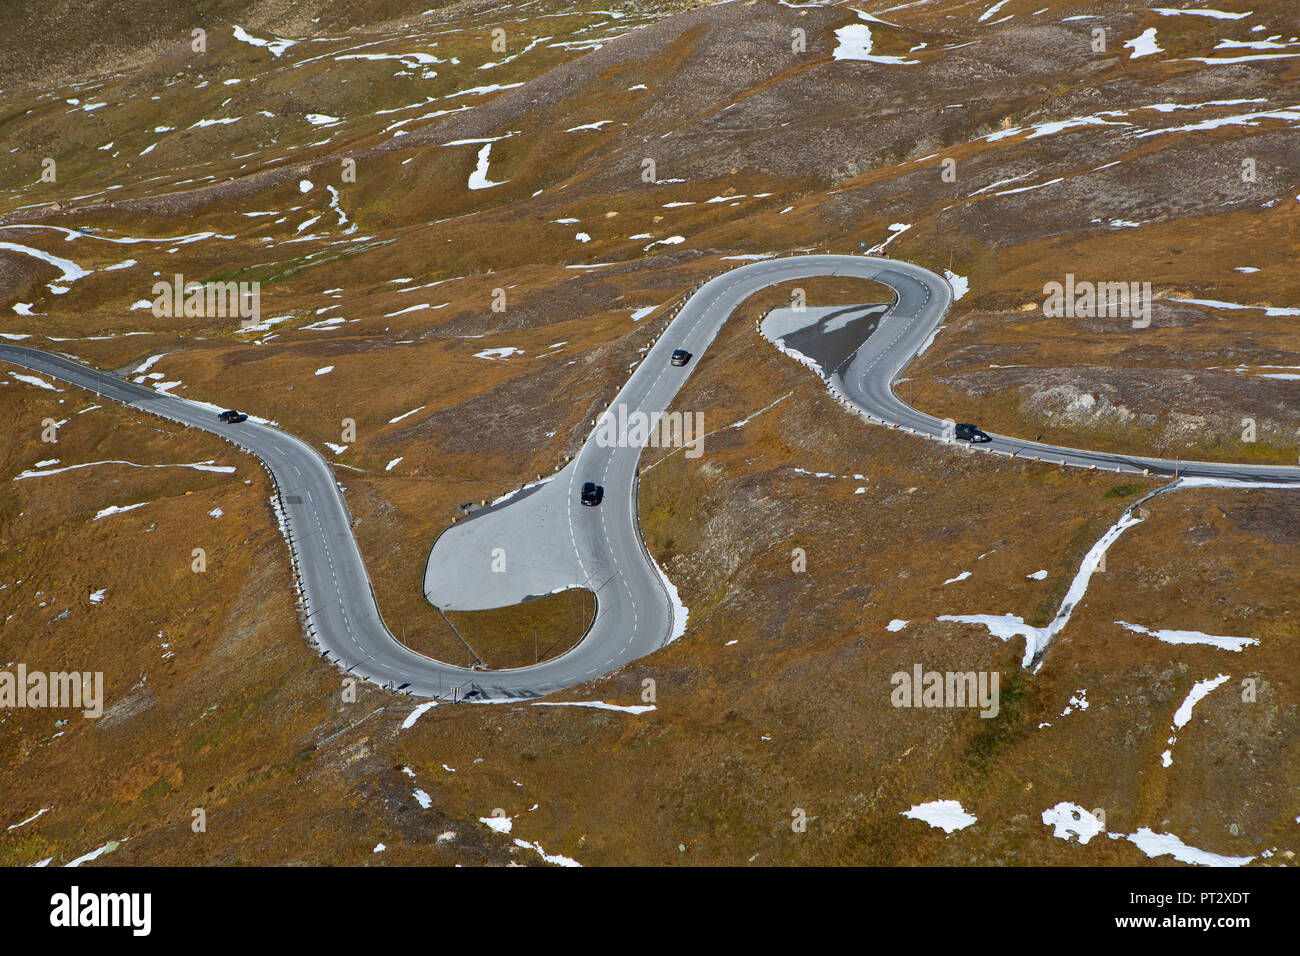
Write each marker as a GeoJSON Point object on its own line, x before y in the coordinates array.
{"type": "Point", "coordinates": [810, 665]}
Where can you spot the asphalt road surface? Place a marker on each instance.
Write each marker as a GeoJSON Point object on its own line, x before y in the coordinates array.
{"type": "Point", "coordinates": [542, 539]}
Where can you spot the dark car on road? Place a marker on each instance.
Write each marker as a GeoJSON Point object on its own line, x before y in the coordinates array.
{"type": "Point", "coordinates": [967, 432]}
{"type": "Point", "coordinates": [680, 357]}
{"type": "Point", "coordinates": [232, 417]}
{"type": "Point", "coordinates": [592, 494]}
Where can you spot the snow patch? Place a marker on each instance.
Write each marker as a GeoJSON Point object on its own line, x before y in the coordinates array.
{"type": "Point", "coordinates": [15, 826]}
{"type": "Point", "coordinates": [394, 421]}
{"type": "Point", "coordinates": [947, 815]}
{"type": "Point", "coordinates": [478, 179]}
{"type": "Point", "coordinates": [1166, 844]}
{"type": "Point", "coordinates": [34, 380]}
{"type": "Point", "coordinates": [1071, 820]}
{"type": "Point", "coordinates": [1144, 44]}
{"type": "Point", "coordinates": [276, 46]}
{"type": "Point", "coordinates": [598, 704]}
{"type": "Point", "coordinates": [417, 713]}
{"type": "Point", "coordinates": [854, 42]}
{"type": "Point", "coordinates": [1192, 637]}
{"type": "Point", "coordinates": [1008, 626]}
{"type": "Point", "coordinates": [493, 354]}
{"type": "Point", "coordinates": [960, 284]}
{"type": "Point", "coordinates": [555, 858]}
{"type": "Point", "coordinates": [116, 510]}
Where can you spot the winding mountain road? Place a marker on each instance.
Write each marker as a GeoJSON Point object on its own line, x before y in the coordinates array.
{"type": "Point", "coordinates": [541, 539]}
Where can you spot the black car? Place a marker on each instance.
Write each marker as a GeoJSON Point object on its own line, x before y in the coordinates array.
{"type": "Point", "coordinates": [592, 493]}
{"type": "Point", "coordinates": [232, 417]}
{"type": "Point", "coordinates": [967, 432]}
{"type": "Point", "coordinates": [680, 357]}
